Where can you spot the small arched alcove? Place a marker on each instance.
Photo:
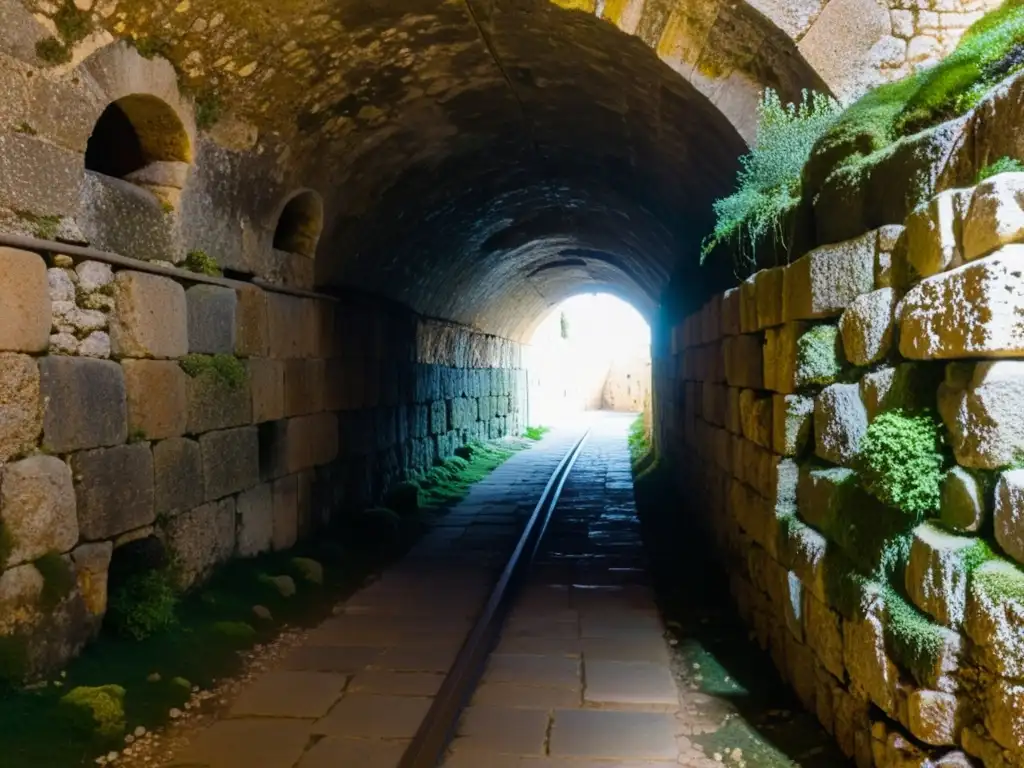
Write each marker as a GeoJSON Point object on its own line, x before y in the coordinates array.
{"type": "Point", "coordinates": [141, 139]}
{"type": "Point", "coordinates": [299, 225]}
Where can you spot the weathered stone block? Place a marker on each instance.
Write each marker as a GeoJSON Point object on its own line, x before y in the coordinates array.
{"type": "Point", "coordinates": [289, 325]}
{"type": "Point", "coordinates": [792, 423]}
{"type": "Point", "coordinates": [201, 538]}
{"type": "Point", "coordinates": [114, 490]}
{"type": "Point", "coordinates": [733, 421]}
{"type": "Point", "coordinates": [826, 280]}
{"type": "Point", "coordinates": [325, 439]}
{"type": "Point", "coordinates": [933, 233]}
{"type": "Point", "coordinates": [780, 357]}
{"type": "Point", "coordinates": [934, 717]}
{"type": "Point", "coordinates": [908, 385]}
{"type": "Point", "coordinates": [157, 399]}
{"type": "Point", "coordinates": [251, 333]}
{"type": "Point", "coordinates": [744, 365]}
{"type": "Point", "coordinates": [230, 461]}
{"type": "Point", "coordinates": [976, 310]}
{"type": "Point", "coordinates": [996, 215]}
{"type": "Point", "coordinates": [840, 421]}
{"type": "Point", "coordinates": [303, 386]}
{"type": "Point", "coordinates": [21, 416]}
{"type": "Point", "coordinates": [981, 407]}
{"type": "Point", "coordinates": [867, 326]}
{"type": "Point", "coordinates": [748, 308]}
{"type": "Point", "coordinates": [266, 380]}
{"type": "Point", "coordinates": [286, 512]}
{"type": "Point", "coordinates": [211, 319]}
{"type": "Point", "coordinates": [177, 475]}
{"type": "Point", "coordinates": [937, 572]}
{"type": "Point", "coordinates": [994, 617]}
{"type": "Point", "coordinates": [823, 493]}
{"type": "Point", "coordinates": [963, 506]}
{"type": "Point", "coordinates": [793, 605]}
{"type": "Point", "coordinates": [1004, 713]}
{"type": "Point", "coordinates": [864, 654]}
{"type": "Point", "coordinates": [438, 417]}
{"type": "Point", "coordinates": [255, 509]}
{"type": "Point", "coordinates": [37, 508]}
{"type": "Point", "coordinates": [150, 317]}
{"type": "Point", "coordinates": [768, 284]}
{"type": "Point", "coordinates": [802, 550]}
{"type": "Point", "coordinates": [824, 635]}
{"type": "Point", "coordinates": [217, 403]}
{"type": "Point", "coordinates": [92, 563]}
{"type": "Point", "coordinates": [1009, 513]}
{"type": "Point", "coordinates": [756, 417]}
{"type": "Point", "coordinates": [86, 403]}
{"type": "Point", "coordinates": [730, 312]}
{"type": "Point", "coordinates": [25, 310]}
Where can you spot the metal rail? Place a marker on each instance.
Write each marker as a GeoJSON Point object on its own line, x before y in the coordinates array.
{"type": "Point", "coordinates": [437, 729]}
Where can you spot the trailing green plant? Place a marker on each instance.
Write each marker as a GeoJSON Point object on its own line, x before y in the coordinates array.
{"type": "Point", "coordinates": [1002, 165]}
{"type": "Point", "coordinates": [228, 368]}
{"type": "Point", "coordinates": [902, 463]}
{"type": "Point", "coordinates": [58, 579]}
{"type": "Point", "coordinates": [200, 262]}
{"type": "Point", "coordinates": [145, 604]}
{"type": "Point", "coordinates": [768, 183]}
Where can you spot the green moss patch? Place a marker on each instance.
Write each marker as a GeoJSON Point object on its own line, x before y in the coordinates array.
{"type": "Point", "coordinates": [536, 433]}
{"type": "Point", "coordinates": [1002, 165]}
{"type": "Point", "coordinates": [145, 604]}
{"type": "Point", "coordinates": [819, 356]}
{"type": "Point", "coordinates": [52, 51]}
{"type": "Point", "coordinates": [902, 463]}
{"type": "Point", "coordinates": [447, 484]}
{"type": "Point", "coordinates": [228, 368]}
{"type": "Point", "coordinates": [639, 441]}
{"type": "Point", "coordinates": [916, 643]}
{"type": "Point", "coordinates": [97, 712]}
{"type": "Point", "coordinates": [208, 110]}
{"type": "Point", "coordinates": [58, 579]}
{"type": "Point", "coordinates": [202, 263]}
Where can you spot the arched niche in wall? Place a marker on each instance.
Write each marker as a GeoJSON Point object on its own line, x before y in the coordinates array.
{"type": "Point", "coordinates": [140, 138]}
{"type": "Point", "coordinates": [296, 235]}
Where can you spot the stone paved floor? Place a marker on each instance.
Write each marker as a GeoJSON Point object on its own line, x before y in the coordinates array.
{"type": "Point", "coordinates": [581, 677]}
{"type": "Point", "coordinates": [356, 691]}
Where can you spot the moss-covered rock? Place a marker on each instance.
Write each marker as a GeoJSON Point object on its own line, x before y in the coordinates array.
{"type": "Point", "coordinates": [310, 570]}
{"type": "Point", "coordinates": [902, 463]}
{"type": "Point", "coordinates": [819, 360]}
{"type": "Point", "coordinates": [236, 633]}
{"type": "Point", "coordinates": [283, 585]}
{"type": "Point", "coordinates": [994, 617]}
{"type": "Point", "coordinates": [927, 650]}
{"type": "Point", "coordinates": [96, 712]}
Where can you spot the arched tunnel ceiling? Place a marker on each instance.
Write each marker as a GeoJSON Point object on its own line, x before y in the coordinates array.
{"type": "Point", "coordinates": [480, 160]}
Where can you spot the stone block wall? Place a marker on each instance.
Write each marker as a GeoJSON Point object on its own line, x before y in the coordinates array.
{"type": "Point", "coordinates": [903, 631]}
{"type": "Point", "coordinates": [223, 419]}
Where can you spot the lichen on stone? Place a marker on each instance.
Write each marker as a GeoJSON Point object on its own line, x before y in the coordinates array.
{"type": "Point", "coordinates": [228, 368]}
{"type": "Point", "coordinates": [52, 51]}
{"type": "Point", "coordinates": [916, 644]}
{"type": "Point", "coordinates": [819, 356]}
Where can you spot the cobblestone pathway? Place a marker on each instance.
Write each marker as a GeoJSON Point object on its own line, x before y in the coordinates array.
{"type": "Point", "coordinates": [355, 692]}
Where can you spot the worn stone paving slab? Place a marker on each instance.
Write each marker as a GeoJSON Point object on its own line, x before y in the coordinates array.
{"type": "Point", "coordinates": [356, 690]}
{"type": "Point", "coordinates": [290, 694]}
{"type": "Point", "coordinates": [598, 733]}
{"type": "Point", "coordinates": [502, 730]}
{"type": "Point", "coordinates": [249, 743]}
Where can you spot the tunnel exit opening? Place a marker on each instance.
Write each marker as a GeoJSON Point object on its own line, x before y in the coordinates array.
{"type": "Point", "coordinates": [591, 352]}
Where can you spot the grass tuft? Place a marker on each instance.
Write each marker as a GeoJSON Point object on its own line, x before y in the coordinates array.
{"type": "Point", "coordinates": [200, 262]}
{"type": "Point", "coordinates": [536, 433]}
{"type": "Point", "coordinates": [228, 368]}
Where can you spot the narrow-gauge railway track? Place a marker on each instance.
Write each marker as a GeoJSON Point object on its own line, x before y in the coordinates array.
{"type": "Point", "coordinates": [427, 748]}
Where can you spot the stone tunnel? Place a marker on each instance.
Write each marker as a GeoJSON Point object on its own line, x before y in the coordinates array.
{"type": "Point", "coordinates": [261, 261]}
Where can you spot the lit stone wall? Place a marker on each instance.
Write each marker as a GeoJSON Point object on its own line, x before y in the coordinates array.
{"type": "Point", "coordinates": [223, 420]}
{"type": "Point", "coordinates": [905, 637]}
